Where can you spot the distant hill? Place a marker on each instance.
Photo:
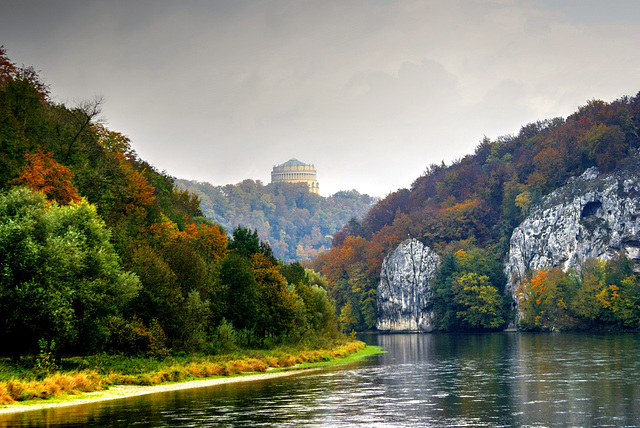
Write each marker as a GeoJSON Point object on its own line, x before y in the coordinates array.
{"type": "Point", "coordinates": [297, 223]}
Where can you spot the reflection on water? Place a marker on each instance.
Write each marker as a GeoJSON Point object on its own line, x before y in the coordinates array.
{"type": "Point", "coordinates": [509, 379]}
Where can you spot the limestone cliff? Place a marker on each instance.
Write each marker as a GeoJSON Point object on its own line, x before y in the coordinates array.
{"type": "Point", "coordinates": [593, 216]}
{"type": "Point", "coordinates": [404, 293]}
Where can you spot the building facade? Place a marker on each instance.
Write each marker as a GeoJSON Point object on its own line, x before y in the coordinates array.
{"type": "Point", "coordinates": [294, 171]}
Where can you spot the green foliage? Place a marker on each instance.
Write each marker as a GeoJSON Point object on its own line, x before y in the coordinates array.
{"type": "Point", "coordinates": [469, 290]}
{"type": "Point", "coordinates": [348, 318]}
{"type": "Point", "coordinates": [45, 361]}
{"type": "Point", "coordinates": [223, 337]}
{"type": "Point", "coordinates": [479, 302]}
{"type": "Point", "coordinates": [245, 242]}
{"type": "Point", "coordinates": [195, 321]}
{"type": "Point", "coordinates": [295, 273]}
{"type": "Point", "coordinates": [61, 276]}
{"type": "Point", "coordinates": [324, 319]}
{"type": "Point", "coordinates": [242, 295]}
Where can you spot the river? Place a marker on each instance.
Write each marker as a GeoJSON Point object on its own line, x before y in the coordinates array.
{"type": "Point", "coordinates": [502, 379]}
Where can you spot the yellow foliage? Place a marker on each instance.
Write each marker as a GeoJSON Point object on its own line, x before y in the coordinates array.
{"type": "Point", "coordinates": [523, 201]}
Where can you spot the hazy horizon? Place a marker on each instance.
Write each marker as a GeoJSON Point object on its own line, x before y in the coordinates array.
{"type": "Point", "coordinates": [370, 92]}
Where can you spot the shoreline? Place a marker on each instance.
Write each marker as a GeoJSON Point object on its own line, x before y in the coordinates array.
{"type": "Point", "coordinates": [127, 391]}
{"type": "Point", "coordinates": [116, 392]}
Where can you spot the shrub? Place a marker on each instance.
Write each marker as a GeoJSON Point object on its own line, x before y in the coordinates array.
{"type": "Point", "coordinates": [131, 337]}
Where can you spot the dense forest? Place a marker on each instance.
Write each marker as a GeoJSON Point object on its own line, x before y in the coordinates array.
{"type": "Point", "coordinates": [99, 251]}
{"type": "Point", "coordinates": [297, 224]}
{"type": "Point", "coordinates": [467, 211]}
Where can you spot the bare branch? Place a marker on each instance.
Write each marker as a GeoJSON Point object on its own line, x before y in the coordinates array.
{"type": "Point", "coordinates": [85, 113]}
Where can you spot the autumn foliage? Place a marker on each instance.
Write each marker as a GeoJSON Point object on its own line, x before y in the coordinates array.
{"type": "Point", "coordinates": [478, 200]}
{"type": "Point", "coordinates": [603, 294]}
{"type": "Point", "coordinates": [42, 173]}
{"type": "Point", "coordinates": [117, 258]}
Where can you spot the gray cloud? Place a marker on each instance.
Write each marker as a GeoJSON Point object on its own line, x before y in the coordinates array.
{"type": "Point", "coordinates": [371, 92]}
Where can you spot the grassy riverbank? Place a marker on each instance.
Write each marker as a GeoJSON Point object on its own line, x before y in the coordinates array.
{"type": "Point", "coordinates": [98, 373]}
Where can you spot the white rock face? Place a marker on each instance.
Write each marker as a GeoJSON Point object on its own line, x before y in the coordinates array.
{"type": "Point", "coordinates": [593, 216]}
{"type": "Point", "coordinates": [404, 293]}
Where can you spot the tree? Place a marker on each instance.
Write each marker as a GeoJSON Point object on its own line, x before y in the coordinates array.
{"type": "Point", "coordinates": [7, 68]}
{"type": "Point", "coordinates": [279, 302]}
{"type": "Point", "coordinates": [585, 303]}
{"type": "Point", "coordinates": [620, 298]}
{"type": "Point", "coordinates": [605, 145]}
{"type": "Point", "coordinates": [42, 173]}
{"type": "Point", "coordinates": [243, 305]}
{"type": "Point", "coordinates": [324, 319]}
{"type": "Point", "coordinates": [480, 304]}
{"type": "Point", "coordinates": [160, 296]}
{"type": "Point", "coordinates": [83, 116]}
{"type": "Point", "coordinates": [244, 242]}
{"type": "Point", "coordinates": [61, 276]}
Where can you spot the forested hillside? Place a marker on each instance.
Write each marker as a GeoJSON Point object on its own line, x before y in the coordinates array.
{"type": "Point", "coordinates": [297, 224]}
{"type": "Point", "coordinates": [99, 251]}
{"type": "Point", "coordinates": [467, 211]}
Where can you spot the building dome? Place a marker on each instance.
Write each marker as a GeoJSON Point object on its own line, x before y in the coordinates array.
{"type": "Point", "coordinates": [294, 171]}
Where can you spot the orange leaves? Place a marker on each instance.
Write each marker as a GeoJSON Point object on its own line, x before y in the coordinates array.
{"type": "Point", "coordinates": [42, 173]}
{"type": "Point", "coordinates": [609, 297]}
{"type": "Point", "coordinates": [461, 220]}
{"type": "Point", "coordinates": [164, 229]}
{"type": "Point", "coordinates": [266, 273]}
{"type": "Point", "coordinates": [140, 192]}
{"type": "Point", "coordinates": [134, 195]}
{"type": "Point", "coordinates": [208, 240]}
{"type": "Point", "coordinates": [338, 262]}
{"type": "Point", "coordinates": [538, 286]}
{"type": "Point", "coordinates": [543, 300]}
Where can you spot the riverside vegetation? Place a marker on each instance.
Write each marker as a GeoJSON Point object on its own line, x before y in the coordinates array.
{"type": "Point", "coordinates": [104, 259]}
{"type": "Point", "coordinates": [76, 375]}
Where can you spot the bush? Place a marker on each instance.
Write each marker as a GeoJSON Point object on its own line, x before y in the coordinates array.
{"type": "Point", "coordinates": [130, 337]}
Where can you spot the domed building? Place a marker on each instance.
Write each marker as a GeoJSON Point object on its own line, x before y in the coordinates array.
{"type": "Point", "coordinates": [294, 171]}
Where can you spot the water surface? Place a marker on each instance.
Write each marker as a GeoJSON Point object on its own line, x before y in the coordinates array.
{"type": "Point", "coordinates": [506, 379]}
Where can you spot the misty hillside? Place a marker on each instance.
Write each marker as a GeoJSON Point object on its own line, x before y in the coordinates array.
{"type": "Point", "coordinates": [475, 203]}
{"type": "Point", "coordinates": [297, 224]}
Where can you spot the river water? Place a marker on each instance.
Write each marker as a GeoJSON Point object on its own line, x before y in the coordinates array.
{"type": "Point", "coordinates": [503, 379]}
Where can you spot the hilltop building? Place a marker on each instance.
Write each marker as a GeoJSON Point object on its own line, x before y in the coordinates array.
{"type": "Point", "coordinates": [294, 171]}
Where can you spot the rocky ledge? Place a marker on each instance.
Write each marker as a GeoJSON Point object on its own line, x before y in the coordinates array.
{"type": "Point", "coordinates": [593, 216]}
{"type": "Point", "coordinates": [405, 297]}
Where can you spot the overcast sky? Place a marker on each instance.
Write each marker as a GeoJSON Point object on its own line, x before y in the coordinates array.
{"type": "Point", "coordinates": [370, 92]}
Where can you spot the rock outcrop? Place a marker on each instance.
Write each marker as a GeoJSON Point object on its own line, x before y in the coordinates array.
{"type": "Point", "coordinates": [404, 296]}
{"type": "Point", "coordinates": [593, 216]}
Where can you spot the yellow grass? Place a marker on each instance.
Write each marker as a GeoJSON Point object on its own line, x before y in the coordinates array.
{"type": "Point", "coordinates": [90, 380]}
{"type": "Point", "coordinates": [51, 386]}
